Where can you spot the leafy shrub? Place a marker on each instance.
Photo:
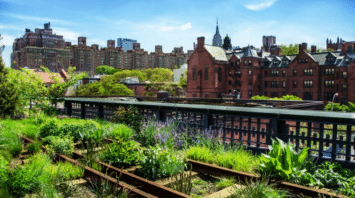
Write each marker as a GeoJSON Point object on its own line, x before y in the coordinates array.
{"type": "Point", "coordinates": [15, 147]}
{"type": "Point", "coordinates": [202, 154]}
{"type": "Point", "coordinates": [124, 154]}
{"type": "Point", "coordinates": [61, 145]}
{"type": "Point", "coordinates": [76, 130]}
{"type": "Point", "coordinates": [49, 128]}
{"type": "Point", "coordinates": [336, 107]}
{"type": "Point", "coordinates": [258, 189]}
{"type": "Point", "coordinates": [129, 116]}
{"type": "Point", "coordinates": [40, 119]}
{"type": "Point", "coordinates": [282, 161]}
{"type": "Point", "coordinates": [146, 136]}
{"type": "Point", "coordinates": [224, 183]}
{"type": "Point", "coordinates": [34, 147]}
{"type": "Point", "coordinates": [160, 163]}
{"type": "Point", "coordinates": [121, 132]}
{"type": "Point", "coordinates": [285, 97]}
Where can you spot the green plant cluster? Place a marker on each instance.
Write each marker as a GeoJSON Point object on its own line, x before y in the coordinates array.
{"type": "Point", "coordinates": [340, 107]}
{"type": "Point", "coordinates": [129, 116]}
{"type": "Point", "coordinates": [159, 162]}
{"type": "Point", "coordinates": [171, 87]}
{"type": "Point", "coordinates": [237, 159]}
{"type": "Point", "coordinates": [38, 176]}
{"type": "Point", "coordinates": [285, 97]}
{"type": "Point", "coordinates": [123, 154]}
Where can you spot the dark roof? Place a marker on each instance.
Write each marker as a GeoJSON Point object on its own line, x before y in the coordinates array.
{"type": "Point", "coordinates": [279, 59]}
{"type": "Point", "coordinates": [250, 52]}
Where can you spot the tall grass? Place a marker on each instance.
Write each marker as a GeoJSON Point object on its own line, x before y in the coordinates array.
{"type": "Point", "coordinates": [258, 189]}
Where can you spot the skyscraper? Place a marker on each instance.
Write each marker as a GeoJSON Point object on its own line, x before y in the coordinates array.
{"type": "Point", "coordinates": [217, 39]}
{"type": "Point", "coordinates": [125, 43]}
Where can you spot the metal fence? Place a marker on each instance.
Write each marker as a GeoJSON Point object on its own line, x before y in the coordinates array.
{"type": "Point", "coordinates": [328, 134]}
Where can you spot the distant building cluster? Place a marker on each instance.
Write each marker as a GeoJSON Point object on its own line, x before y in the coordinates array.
{"type": "Point", "coordinates": [246, 72]}
{"type": "Point", "coordinates": [43, 48]}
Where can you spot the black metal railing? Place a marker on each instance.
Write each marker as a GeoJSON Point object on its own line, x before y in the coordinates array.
{"type": "Point", "coordinates": [328, 134]}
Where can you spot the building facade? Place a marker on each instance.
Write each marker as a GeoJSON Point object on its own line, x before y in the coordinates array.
{"type": "Point", "coordinates": [213, 71]}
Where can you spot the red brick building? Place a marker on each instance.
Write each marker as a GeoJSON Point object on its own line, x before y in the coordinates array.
{"type": "Point", "coordinates": [213, 71]}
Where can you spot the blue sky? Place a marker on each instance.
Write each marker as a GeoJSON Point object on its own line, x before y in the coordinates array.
{"type": "Point", "coordinates": [172, 23]}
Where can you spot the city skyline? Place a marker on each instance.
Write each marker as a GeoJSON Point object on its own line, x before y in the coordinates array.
{"type": "Point", "coordinates": [173, 24]}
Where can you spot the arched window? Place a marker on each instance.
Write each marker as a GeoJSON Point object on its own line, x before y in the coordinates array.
{"type": "Point", "coordinates": [194, 74]}
{"type": "Point", "coordinates": [219, 74]}
{"type": "Point", "coordinates": [206, 72]}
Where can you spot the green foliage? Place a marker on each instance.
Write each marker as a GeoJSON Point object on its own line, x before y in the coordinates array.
{"type": "Point", "coordinates": [160, 163]}
{"type": "Point", "coordinates": [151, 88]}
{"type": "Point", "coordinates": [282, 161]}
{"type": "Point", "coordinates": [258, 189]}
{"type": "Point", "coordinates": [99, 88]}
{"type": "Point", "coordinates": [227, 45]}
{"type": "Point", "coordinates": [224, 183]}
{"type": "Point", "coordinates": [146, 135]}
{"type": "Point", "coordinates": [104, 69]}
{"type": "Point", "coordinates": [123, 154]}
{"type": "Point", "coordinates": [289, 50]}
{"type": "Point", "coordinates": [61, 145]}
{"type": "Point", "coordinates": [340, 107]}
{"type": "Point", "coordinates": [183, 79]}
{"type": "Point", "coordinates": [49, 128]}
{"type": "Point", "coordinates": [34, 147]}
{"type": "Point", "coordinates": [202, 154]}
{"type": "Point", "coordinates": [121, 132]}
{"type": "Point", "coordinates": [285, 97]}
{"type": "Point", "coordinates": [129, 116]}
{"type": "Point", "coordinates": [9, 97]}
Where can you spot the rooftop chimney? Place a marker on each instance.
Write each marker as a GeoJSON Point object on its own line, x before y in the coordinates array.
{"type": "Point", "coordinates": [200, 43]}
{"type": "Point", "coordinates": [313, 49]}
{"type": "Point", "coordinates": [302, 47]}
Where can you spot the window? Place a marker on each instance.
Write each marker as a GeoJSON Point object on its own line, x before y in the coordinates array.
{"type": "Point", "coordinates": [237, 64]}
{"type": "Point", "coordinates": [274, 84]}
{"type": "Point", "coordinates": [328, 95]}
{"type": "Point", "coordinates": [249, 72]}
{"type": "Point", "coordinates": [250, 92]}
{"type": "Point", "coordinates": [250, 82]}
{"type": "Point", "coordinates": [229, 82]}
{"type": "Point", "coordinates": [345, 74]}
{"type": "Point", "coordinates": [194, 73]}
{"type": "Point", "coordinates": [295, 83]}
{"type": "Point", "coordinates": [274, 94]}
{"type": "Point", "coordinates": [306, 60]}
{"type": "Point", "coordinates": [265, 84]}
{"type": "Point", "coordinates": [307, 96]}
{"type": "Point", "coordinates": [229, 73]}
{"type": "Point", "coordinates": [274, 73]}
{"type": "Point", "coordinates": [237, 82]}
{"type": "Point", "coordinates": [329, 83]}
{"type": "Point", "coordinates": [232, 64]}
{"type": "Point", "coordinates": [329, 71]}
{"type": "Point", "coordinates": [307, 84]}
{"type": "Point", "coordinates": [265, 73]}
{"type": "Point", "coordinates": [283, 83]}
{"type": "Point", "coordinates": [206, 73]}
{"type": "Point", "coordinates": [283, 72]}
{"type": "Point", "coordinates": [344, 87]}
{"type": "Point", "coordinates": [266, 94]}
{"type": "Point", "coordinates": [237, 73]}
{"type": "Point", "coordinates": [295, 72]}
{"type": "Point", "coordinates": [250, 62]}
{"type": "Point", "coordinates": [307, 72]}
{"type": "Point", "coordinates": [245, 62]}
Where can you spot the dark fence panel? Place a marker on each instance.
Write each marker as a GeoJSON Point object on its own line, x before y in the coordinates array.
{"type": "Point", "coordinates": [330, 135]}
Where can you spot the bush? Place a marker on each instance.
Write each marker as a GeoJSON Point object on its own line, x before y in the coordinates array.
{"type": "Point", "coordinates": [49, 128]}
{"type": "Point", "coordinates": [202, 154]}
{"type": "Point", "coordinates": [160, 163]}
{"type": "Point", "coordinates": [121, 132]}
{"type": "Point", "coordinates": [61, 145]}
{"type": "Point", "coordinates": [76, 130]}
{"type": "Point", "coordinates": [129, 116]}
{"type": "Point", "coordinates": [34, 147]}
{"type": "Point", "coordinates": [15, 147]}
{"type": "Point", "coordinates": [124, 154]}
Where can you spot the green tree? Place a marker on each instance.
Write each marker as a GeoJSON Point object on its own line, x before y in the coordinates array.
{"type": "Point", "coordinates": [227, 45]}
{"type": "Point", "coordinates": [104, 69]}
{"type": "Point", "coordinates": [2, 47]}
{"type": "Point", "coordinates": [9, 97]}
{"type": "Point", "coordinates": [288, 50]}
{"type": "Point", "coordinates": [58, 89]}
{"type": "Point", "coordinates": [183, 79]}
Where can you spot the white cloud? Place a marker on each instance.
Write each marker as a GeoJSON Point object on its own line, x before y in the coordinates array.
{"type": "Point", "coordinates": [186, 26]}
{"type": "Point", "coordinates": [41, 19]}
{"type": "Point", "coordinates": [7, 40]}
{"type": "Point", "coordinates": [11, 27]}
{"type": "Point", "coordinates": [67, 34]}
{"type": "Point", "coordinates": [260, 5]}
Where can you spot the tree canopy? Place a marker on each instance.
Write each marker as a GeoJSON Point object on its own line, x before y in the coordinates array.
{"type": "Point", "coordinates": [227, 45]}
{"type": "Point", "coordinates": [105, 69]}
{"type": "Point", "coordinates": [288, 50]}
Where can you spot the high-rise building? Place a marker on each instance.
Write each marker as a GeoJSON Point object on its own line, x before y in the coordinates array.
{"type": "Point", "coordinates": [125, 43]}
{"type": "Point", "coordinates": [217, 39]}
{"type": "Point", "coordinates": [268, 41]}
{"type": "Point", "coordinates": [40, 48]}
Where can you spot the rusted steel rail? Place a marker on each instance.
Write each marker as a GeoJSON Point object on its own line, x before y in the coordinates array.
{"type": "Point", "coordinates": [90, 173]}
{"type": "Point", "coordinates": [241, 176]}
